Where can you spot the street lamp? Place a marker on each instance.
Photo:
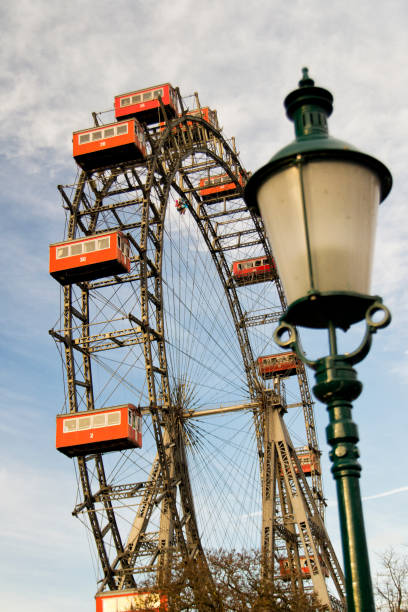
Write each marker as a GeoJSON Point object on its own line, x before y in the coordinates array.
{"type": "Point", "coordinates": [318, 198]}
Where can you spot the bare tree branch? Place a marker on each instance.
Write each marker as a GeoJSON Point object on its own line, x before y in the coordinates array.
{"type": "Point", "coordinates": [392, 583]}
{"type": "Point", "coordinates": [237, 587]}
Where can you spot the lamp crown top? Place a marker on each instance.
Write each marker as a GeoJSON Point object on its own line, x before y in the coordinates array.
{"type": "Point", "coordinates": [309, 107]}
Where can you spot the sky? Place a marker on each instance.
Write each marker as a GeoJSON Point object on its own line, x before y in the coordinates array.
{"type": "Point", "coordinates": [61, 61]}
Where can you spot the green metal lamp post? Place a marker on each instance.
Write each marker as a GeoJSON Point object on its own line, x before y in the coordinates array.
{"type": "Point", "coordinates": [318, 198]}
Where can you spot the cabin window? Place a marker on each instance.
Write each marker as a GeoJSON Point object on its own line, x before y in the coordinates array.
{"type": "Point", "coordinates": [136, 99]}
{"type": "Point", "coordinates": [114, 418]}
{"type": "Point", "coordinates": [84, 138]}
{"type": "Point", "coordinates": [125, 102]}
{"type": "Point", "coordinates": [103, 243]}
{"type": "Point", "coordinates": [90, 421]}
{"type": "Point", "coordinates": [258, 262]}
{"type": "Point", "coordinates": [122, 129]}
{"type": "Point", "coordinates": [148, 95]}
{"type": "Point", "coordinates": [96, 135]}
{"type": "Point", "coordinates": [62, 252]}
{"type": "Point", "coordinates": [69, 425]}
{"type": "Point", "coordinates": [158, 92]}
{"type": "Point", "coordinates": [109, 133]}
{"type": "Point", "coordinates": [98, 420]}
{"type": "Point", "coordinates": [84, 422]}
{"type": "Point", "coordinates": [76, 249]}
{"type": "Point", "coordinates": [89, 246]}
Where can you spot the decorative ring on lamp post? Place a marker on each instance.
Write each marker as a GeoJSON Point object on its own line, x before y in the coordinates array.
{"type": "Point", "coordinates": [356, 356]}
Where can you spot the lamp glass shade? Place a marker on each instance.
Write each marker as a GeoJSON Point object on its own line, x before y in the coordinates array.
{"type": "Point", "coordinates": [320, 217]}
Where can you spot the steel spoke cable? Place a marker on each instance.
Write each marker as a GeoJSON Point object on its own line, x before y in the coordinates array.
{"type": "Point", "coordinates": [115, 375]}
{"type": "Point", "coordinates": [211, 370]}
{"type": "Point", "coordinates": [206, 260]}
{"type": "Point", "coordinates": [229, 486]}
{"type": "Point", "coordinates": [199, 324]}
{"type": "Point", "coordinates": [206, 331]}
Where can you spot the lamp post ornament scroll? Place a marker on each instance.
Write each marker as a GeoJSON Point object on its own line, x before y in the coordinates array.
{"type": "Point", "coordinates": [318, 198]}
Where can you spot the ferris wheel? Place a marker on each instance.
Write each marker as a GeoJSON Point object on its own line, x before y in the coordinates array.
{"type": "Point", "coordinates": [190, 429]}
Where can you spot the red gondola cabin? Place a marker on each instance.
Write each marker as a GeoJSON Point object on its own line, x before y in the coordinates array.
{"type": "Point", "coordinates": [216, 188]}
{"type": "Point", "coordinates": [282, 364]}
{"type": "Point", "coordinates": [144, 104]}
{"type": "Point", "coordinates": [308, 461]}
{"type": "Point", "coordinates": [109, 145]}
{"type": "Point", "coordinates": [254, 270]}
{"type": "Point", "coordinates": [304, 568]}
{"type": "Point", "coordinates": [205, 113]}
{"type": "Point", "coordinates": [99, 431]}
{"type": "Point", "coordinates": [129, 600]}
{"type": "Point", "coordinates": [85, 259]}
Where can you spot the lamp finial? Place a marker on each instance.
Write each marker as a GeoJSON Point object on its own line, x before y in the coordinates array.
{"type": "Point", "coordinates": [306, 81]}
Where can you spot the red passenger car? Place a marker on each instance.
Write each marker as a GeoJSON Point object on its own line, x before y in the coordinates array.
{"type": "Point", "coordinates": [205, 113]}
{"type": "Point", "coordinates": [109, 145]}
{"type": "Point", "coordinates": [254, 270]}
{"type": "Point", "coordinates": [304, 568]}
{"type": "Point", "coordinates": [282, 364]}
{"type": "Point", "coordinates": [308, 461]}
{"type": "Point", "coordinates": [129, 600]}
{"type": "Point", "coordinates": [144, 104]}
{"type": "Point", "coordinates": [85, 259]}
{"type": "Point", "coordinates": [99, 431]}
{"type": "Point", "coordinates": [218, 187]}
